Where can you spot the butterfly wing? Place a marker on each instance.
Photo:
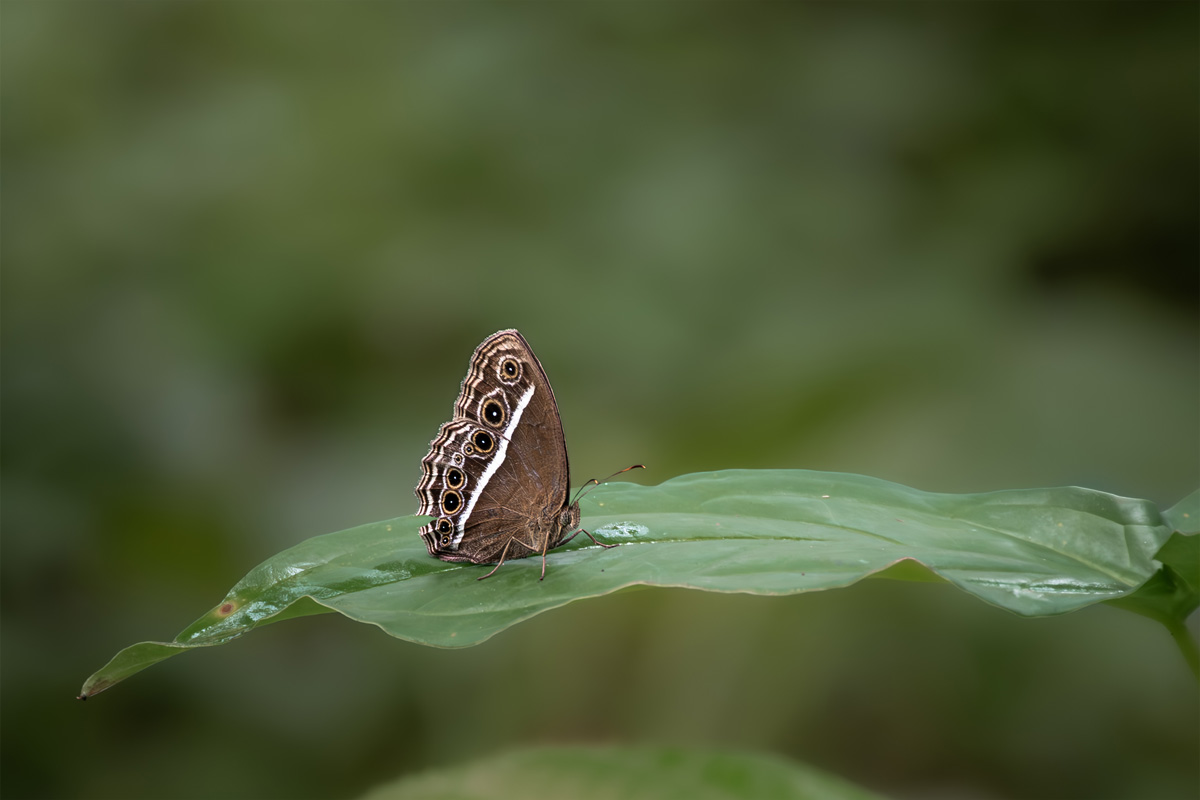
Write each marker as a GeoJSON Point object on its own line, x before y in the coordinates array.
{"type": "Point", "coordinates": [496, 478]}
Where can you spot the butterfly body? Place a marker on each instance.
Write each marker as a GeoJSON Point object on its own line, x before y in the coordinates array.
{"type": "Point", "coordinates": [496, 478]}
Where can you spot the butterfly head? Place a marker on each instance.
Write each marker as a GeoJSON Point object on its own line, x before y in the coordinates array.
{"type": "Point", "coordinates": [568, 519]}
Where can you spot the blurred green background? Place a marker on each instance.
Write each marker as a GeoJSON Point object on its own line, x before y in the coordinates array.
{"type": "Point", "coordinates": [248, 249]}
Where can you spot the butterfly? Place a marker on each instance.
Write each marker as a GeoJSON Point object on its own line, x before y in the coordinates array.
{"type": "Point", "coordinates": [496, 478]}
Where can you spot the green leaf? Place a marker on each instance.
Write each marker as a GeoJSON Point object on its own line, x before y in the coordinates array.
{"type": "Point", "coordinates": [1173, 592]}
{"type": "Point", "coordinates": [1034, 552]}
{"type": "Point", "coordinates": [652, 773]}
{"type": "Point", "coordinates": [1184, 516]}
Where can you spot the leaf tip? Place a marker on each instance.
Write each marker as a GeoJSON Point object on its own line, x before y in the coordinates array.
{"type": "Point", "coordinates": [94, 687]}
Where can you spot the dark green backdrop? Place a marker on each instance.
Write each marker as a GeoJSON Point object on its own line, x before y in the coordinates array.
{"type": "Point", "coordinates": [249, 247]}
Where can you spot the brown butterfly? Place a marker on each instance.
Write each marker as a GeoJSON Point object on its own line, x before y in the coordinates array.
{"type": "Point", "coordinates": [496, 477]}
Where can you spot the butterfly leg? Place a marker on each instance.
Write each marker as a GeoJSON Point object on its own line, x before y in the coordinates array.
{"type": "Point", "coordinates": [503, 555]}
{"type": "Point", "coordinates": [593, 538]}
{"type": "Point", "coordinates": [545, 547]}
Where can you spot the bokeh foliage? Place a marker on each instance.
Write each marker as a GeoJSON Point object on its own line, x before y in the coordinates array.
{"type": "Point", "coordinates": [247, 251]}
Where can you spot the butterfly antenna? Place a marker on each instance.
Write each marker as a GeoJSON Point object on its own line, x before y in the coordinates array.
{"type": "Point", "coordinates": [593, 483]}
